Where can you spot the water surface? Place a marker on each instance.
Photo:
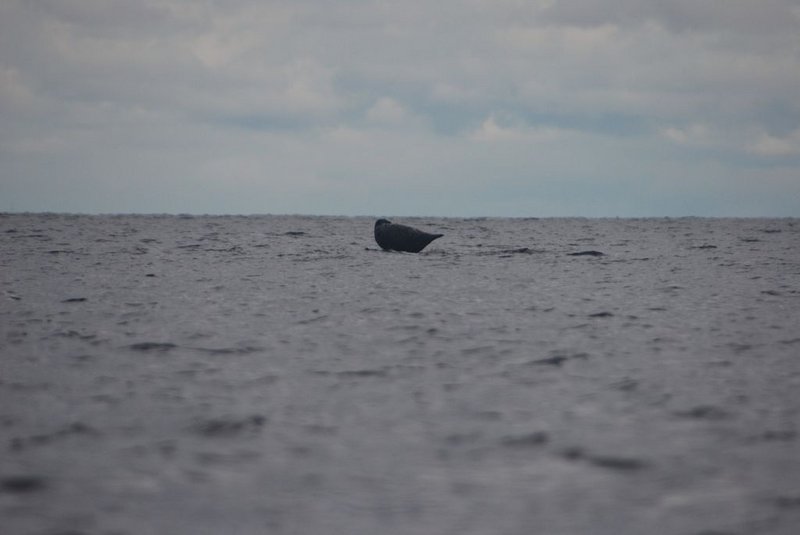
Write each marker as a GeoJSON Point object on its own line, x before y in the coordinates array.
{"type": "Point", "coordinates": [206, 375]}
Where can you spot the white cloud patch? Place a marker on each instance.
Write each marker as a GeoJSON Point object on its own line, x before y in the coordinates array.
{"type": "Point", "coordinates": [695, 134]}
{"type": "Point", "coordinates": [387, 111]}
{"type": "Point", "coordinates": [489, 130]}
{"type": "Point", "coordinates": [493, 132]}
{"type": "Point", "coordinates": [769, 145]}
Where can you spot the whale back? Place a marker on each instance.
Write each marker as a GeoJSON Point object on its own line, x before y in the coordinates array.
{"type": "Point", "coordinates": [395, 237]}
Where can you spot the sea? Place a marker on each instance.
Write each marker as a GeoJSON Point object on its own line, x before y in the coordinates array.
{"type": "Point", "coordinates": [205, 375]}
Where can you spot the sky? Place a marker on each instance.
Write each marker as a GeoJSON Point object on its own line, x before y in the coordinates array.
{"type": "Point", "coordinates": [597, 108]}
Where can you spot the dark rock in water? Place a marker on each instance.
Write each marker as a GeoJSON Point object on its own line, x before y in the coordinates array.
{"type": "Point", "coordinates": [586, 253]}
{"type": "Point", "coordinates": [74, 300]}
{"type": "Point", "coordinates": [394, 237]}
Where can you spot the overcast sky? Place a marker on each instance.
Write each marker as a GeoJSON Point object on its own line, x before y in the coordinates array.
{"type": "Point", "coordinates": [366, 107]}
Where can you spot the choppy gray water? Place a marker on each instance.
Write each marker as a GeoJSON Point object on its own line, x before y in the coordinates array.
{"type": "Point", "coordinates": [247, 375]}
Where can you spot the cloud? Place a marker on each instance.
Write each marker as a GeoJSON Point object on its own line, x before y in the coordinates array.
{"type": "Point", "coordinates": [768, 145]}
{"type": "Point", "coordinates": [319, 106]}
{"type": "Point", "coordinates": [492, 131]}
{"type": "Point", "coordinates": [679, 16]}
{"type": "Point", "coordinates": [388, 112]}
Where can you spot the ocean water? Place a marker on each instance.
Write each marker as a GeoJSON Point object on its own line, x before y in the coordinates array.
{"type": "Point", "coordinates": [281, 374]}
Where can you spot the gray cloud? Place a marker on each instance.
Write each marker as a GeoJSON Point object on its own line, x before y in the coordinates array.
{"type": "Point", "coordinates": [763, 17]}
{"type": "Point", "coordinates": [323, 106]}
